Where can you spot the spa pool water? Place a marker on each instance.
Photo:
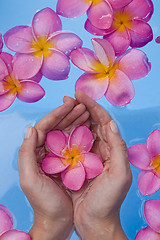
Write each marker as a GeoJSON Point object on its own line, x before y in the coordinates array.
{"type": "Point", "coordinates": [136, 120]}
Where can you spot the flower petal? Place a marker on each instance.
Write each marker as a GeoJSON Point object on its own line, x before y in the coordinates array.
{"type": "Point", "coordinates": [86, 60]}
{"type": "Point", "coordinates": [3, 88]}
{"type": "Point", "coordinates": [6, 100]}
{"type": "Point", "coordinates": [148, 182]}
{"type": "Point", "coordinates": [53, 165]}
{"type": "Point", "coordinates": [157, 39]}
{"type": "Point", "coordinates": [37, 78]}
{"type": "Point", "coordinates": [143, 11]}
{"type": "Point", "coordinates": [25, 66]}
{"type": "Point", "coordinates": [117, 4]}
{"type": "Point", "coordinates": [101, 14]}
{"type": "Point", "coordinates": [120, 40]}
{"type": "Point", "coordinates": [147, 234]}
{"type": "Point", "coordinates": [56, 141]}
{"type": "Point", "coordinates": [97, 31]}
{"type": "Point", "coordinates": [19, 39]}
{"type": "Point", "coordinates": [92, 164]}
{"type": "Point", "coordinates": [120, 90]}
{"type": "Point", "coordinates": [56, 66]}
{"type": "Point", "coordinates": [104, 51]}
{"type": "Point", "coordinates": [153, 143]}
{"type": "Point", "coordinates": [73, 177]}
{"type": "Point", "coordinates": [45, 23]}
{"type": "Point", "coordinates": [141, 33]}
{"type": "Point", "coordinates": [3, 69]}
{"type": "Point", "coordinates": [66, 42]}
{"type": "Point", "coordinates": [30, 91]}
{"type": "Point", "coordinates": [72, 8]}
{"type": "Point", "coordinates": [82, 138]}
{"type": "Point", "coordinates": [152, 213]}
{"type": "Point", "coordinates": [6, 219]}
{"type": "Point", "coordinates": [138, 155]}
{"type": "Point", "coordinates": [1, 43]}
{"type": "Point", "coordinates": [7, 59]}
{"type": "Point", "coordinates": [134, 63]}
{"type": "Point", "coordinates": [15, 234]}
{"type": "Point", "coordinates": [94, 85]}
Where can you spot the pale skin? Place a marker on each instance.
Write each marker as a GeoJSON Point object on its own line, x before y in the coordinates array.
{"type": "Point", "coordinates": [94, 210]}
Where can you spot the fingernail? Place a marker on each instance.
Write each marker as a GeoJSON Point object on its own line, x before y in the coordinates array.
{"type": "Point", "coordinates": [28, 132]}
{"type": "Point", "coordinates": [114, 127]}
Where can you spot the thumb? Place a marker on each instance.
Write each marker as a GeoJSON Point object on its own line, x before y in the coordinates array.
{"type": "Point", "coordinates": [118, 149]}
{"type": "Point", "coordinates": [27, 162]}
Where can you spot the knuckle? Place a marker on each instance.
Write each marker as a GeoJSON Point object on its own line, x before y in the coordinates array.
{"type": "Point", "coordinates": [123, 145]}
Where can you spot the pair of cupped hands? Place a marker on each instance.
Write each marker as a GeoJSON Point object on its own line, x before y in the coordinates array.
{"type": "Point", "coordinates": [93, 210]}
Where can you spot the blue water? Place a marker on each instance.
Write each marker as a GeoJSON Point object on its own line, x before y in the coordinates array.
{"type": "Point", "coordinates": [136, 121]}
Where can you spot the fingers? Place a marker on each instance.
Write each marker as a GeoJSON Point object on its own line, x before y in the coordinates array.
{"type": "Point", "coordinates": [27, 162]}
{"type": "Point", "coordinates": [98, 114]}
{"type": "Point", "coordinates": [72, 116]}
{"type": "Point", "coordinates": [51, 120]}
{"type": "Point", "coordinates": [118, 150]}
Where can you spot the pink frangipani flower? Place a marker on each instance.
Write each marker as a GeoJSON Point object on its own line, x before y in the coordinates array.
{"type": "Point", "coordinates": [42, 47]}
{"type": "Point", "coordinates": [158, 39]}
{"type": "Point", "coordinates": [129, 27]}
{"type": "Point", "coordinates": [151, 213]}
{"type": "Point", "coordinates": [106, 76]}
{"type": "Point", "coordinates": [100, 12]}
{"type": "Point", "coordinates": [26, 90]}
{"type": "Point", "coordinates": [147, 157]}
{"type": "Point", "coordinates": [70, 156]}
{"type": "Point", "coordinates": [6, 227]}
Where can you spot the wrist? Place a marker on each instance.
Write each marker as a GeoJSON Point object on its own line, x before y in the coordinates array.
{"type": "Point", "coordinates": [97, 228]}
{"type": "Point", "coordinates": [51, 229]}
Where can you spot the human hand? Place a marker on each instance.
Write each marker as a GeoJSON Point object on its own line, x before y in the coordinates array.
{"type": "Point", "coordinates": [51, 202]}
{"type": "Point", "coordinates": [97, 204]}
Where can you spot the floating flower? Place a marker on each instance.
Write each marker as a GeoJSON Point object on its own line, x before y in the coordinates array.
{"type": "Point", "coordinates": [26, 90]}
{"type": "Point", "coordinates": [100, 12]}
{"type": "Point", "coordinates": [129, 27]}
{"type": "Point", "coordinates": [107, 76]}
{"type": "Point", "coordinates": [158, 39]}
{"type": "Point", "coordinates": [151, 213]}
{"type": "Point", "coordinates": [6, 227]}
{"type": "Point", "coordinates": [147, 157]}
{"type": "Point", "coordinates": [70, 156]}
{"type": "Point", "coordinates": [1, 43]}
{"type": "Point", "coordinates": [42, 47]}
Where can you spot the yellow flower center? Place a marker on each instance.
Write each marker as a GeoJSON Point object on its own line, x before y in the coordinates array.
{"type": "Point", "coordinates": [12, 84]}
{"type": "Point", "coordinates": [72, 156]}
{"type": "Point", "coordinates": [94, 1]}
{"type": "Point", "coordinates": [104, 71]}
{"type": "Point", "coordinates": [42, 47]}
{"type": "Point", "coordinates": [156, 163]}
{"type": "Point", "coordinates": [122, 21]}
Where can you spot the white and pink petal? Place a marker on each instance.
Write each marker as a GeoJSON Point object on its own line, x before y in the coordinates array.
{"type": "Point", "coordinates": [120, 90]}
{"type": "Point", "coordinates": [15, 235]}
{"type": "Point", "coordinates": [147, 234]}
{"type": "Point", "coordinates": [93, 84]}
{"type": "Point", "coordinates": [6, 100]}
{"type": "Point", "coordinates": [1, 43]}
{"type": "Point", "coordinates": [57, 142]}
{"type": "Point", "coordinates": [19, 39]}
{"type": "Point", "coordinates": [139, 157]}
{"type": "Point", "coordinates": [66, 42]}
{"type": "Point", "coordinates": [101, 14]}
{"type": "Point", "coordinates": [152, 213]}
{"type": "Point", "coordinates": [148, 182]}
{"type": "Point", "coordinates": [153, 143]}
{"type": "Point", "coordinates": [74, 177]}
{"type": "Point", "coordinates": [56, 66]}
{"type": "Point", "coordinates": [6, 219]}
{"type": "Point", "coordinates": [45, 22]}
{"type": "Point", "coordinates": [30, 91]}
{"type": "Point", "coordinates": [72, 8]}
{"type": "Point", "coordinates": [92, 164]}
{"type": "Point", "coordinates": [53, 164]}
{"type": "Point", "coordinates": [8, 60]}
{"type": "Point", "coordinates": [3, 69]}
{"type": "Point", "coordinates": [117, 4]}
{"type": "Point", "coordinates": [81, 138]}
{"type": "Point", "coordinates": [134, 63]}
